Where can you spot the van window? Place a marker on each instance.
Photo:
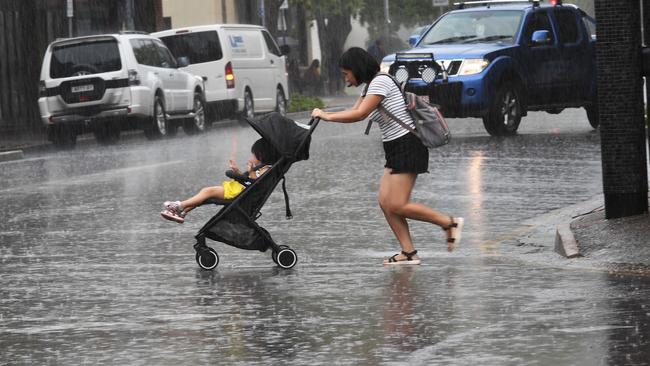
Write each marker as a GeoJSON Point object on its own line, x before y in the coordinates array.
{"type": "Point", "coordinates": [270, 44]}
{"type": "Point", "coordinates": [85, 58]}
{"type": "Point", "coordinates": [245, 43]}
{"type": "Point", "coordinates": [199, 47]}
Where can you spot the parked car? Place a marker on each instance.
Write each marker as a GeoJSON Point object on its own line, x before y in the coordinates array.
{"type": "Point", "coordinates": [108, 83]}
{"type": "Point", "coordinates": [499, 61]}
{"type": "Point", "coordinates": [243, 67]}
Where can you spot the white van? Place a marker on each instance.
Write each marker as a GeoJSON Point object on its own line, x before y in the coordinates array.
{"type": "Point", "coordinates": [242, 66]}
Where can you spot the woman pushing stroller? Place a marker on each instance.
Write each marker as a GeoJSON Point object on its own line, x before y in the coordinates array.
{"type": "Point", "coordinates": [264, 155]}
{"type": "Point", "coordinates": [406, 156]}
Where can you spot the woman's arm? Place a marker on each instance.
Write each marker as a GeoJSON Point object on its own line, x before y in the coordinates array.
{"type": "Point", "coordinates": [359, 112]}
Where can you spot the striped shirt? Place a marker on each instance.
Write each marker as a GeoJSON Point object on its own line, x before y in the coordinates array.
{"type": "Point", "coordinates": [394, 102]}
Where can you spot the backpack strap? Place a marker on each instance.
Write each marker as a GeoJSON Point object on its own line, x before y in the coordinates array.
{"type": "Point", "coordinates": [286, 199]}
{"type": "Point", "coordinates": [380, 107]}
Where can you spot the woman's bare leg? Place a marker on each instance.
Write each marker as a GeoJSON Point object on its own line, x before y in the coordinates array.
{"type": "Point", "coordinates": [205, 193]}
{"type": "Point", "coordinates": [395, 201]}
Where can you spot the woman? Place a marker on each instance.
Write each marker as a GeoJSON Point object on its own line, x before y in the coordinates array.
{"type": "Point", "coordinates": [406, 156]}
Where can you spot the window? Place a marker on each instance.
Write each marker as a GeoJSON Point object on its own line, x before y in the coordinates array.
{"type": "Point", "coordinates": [537, 21]}
{"type": "Point", "coordinates": [474, 27]}
{"type": "Point", "coordinates": [166, 57]}
{"type": "Point", "coordinates": [85, 58]}
{"type": "Point", "coordinates": [590, 25]}
{"type": "Point", "coordinates": [270, 44]}
{"type": "Point", "coordinates": [198, 47]}
{"type": "Point", "coordinates": [568, 26]}
{"type": "Point", "coordinates": [146, 52]}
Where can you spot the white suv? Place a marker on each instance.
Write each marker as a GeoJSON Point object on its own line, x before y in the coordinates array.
{"type": "Point", "coordinates": [108, 83]}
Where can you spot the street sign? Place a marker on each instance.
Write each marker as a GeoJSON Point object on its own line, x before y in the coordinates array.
{"type": "Point", "coordinates": [440, 2]}
{"type": "Point", "coordinates": [69, 9]}
{"type": "Point", "coordinates": [285, 4]}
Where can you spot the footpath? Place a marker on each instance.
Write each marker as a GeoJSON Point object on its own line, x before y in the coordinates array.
{"type": "Point", "coordinates": [577, 236]}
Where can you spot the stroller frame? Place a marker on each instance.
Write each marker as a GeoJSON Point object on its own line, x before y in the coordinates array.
{"type": "Point", "coordinates": [285, 257]}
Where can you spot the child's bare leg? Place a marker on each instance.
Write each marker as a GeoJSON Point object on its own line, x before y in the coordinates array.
{"type": "Point", "coordinates": [205, 193]}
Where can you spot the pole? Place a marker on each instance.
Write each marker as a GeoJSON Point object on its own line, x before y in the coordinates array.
{"type": "Point", "coordinates": [129, 11]}
{"type": "Point", "coordinates": [70, 14]}
{"type": "Point", "coordinates": [387, 11]}
{"type": "Point", "coordinates": [262, 13]}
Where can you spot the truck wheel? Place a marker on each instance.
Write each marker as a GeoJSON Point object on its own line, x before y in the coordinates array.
{"type": "Point", "coordinates": [62, 137]}
{"type": "Point", "coordinates": [107, 133]}
{"type": "Point", "coordinates": [592, 115]}
{"type": "Point", "coordinates": [158, 127]}
{"type": "Point", "coordinates": [249, 107]}
{"type": "Point", "coordinates": [197, 124]}
{"type": "Point", "coordinates": [505, 112]}
{"type": "Point", "coordinates": [280, 102]}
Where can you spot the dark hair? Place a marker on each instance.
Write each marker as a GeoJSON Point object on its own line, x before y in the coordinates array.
{"type": "Point", "coordinates": [364, 67]}
{"type": "Point", "coordinates": [265, 152]}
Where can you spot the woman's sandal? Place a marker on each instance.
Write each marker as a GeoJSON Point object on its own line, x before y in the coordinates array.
{"type": "Point", "coordinates": [454, 231]}
{"type": "Point", "coordinates": [409, 259]}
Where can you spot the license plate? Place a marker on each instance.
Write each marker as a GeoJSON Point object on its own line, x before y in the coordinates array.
{"type": "Point", "coordinates": [82, 88]}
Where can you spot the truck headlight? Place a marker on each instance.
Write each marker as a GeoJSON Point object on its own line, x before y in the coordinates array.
{"type": "Point", "coordinates": [385, 66]}
{"type": "Point", "coordinates": [473, 66]}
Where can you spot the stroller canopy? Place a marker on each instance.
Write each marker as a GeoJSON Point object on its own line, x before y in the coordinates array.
{"type": "Point", "coordinates": [284, 134]}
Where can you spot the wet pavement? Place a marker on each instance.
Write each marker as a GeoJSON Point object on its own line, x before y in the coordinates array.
{"type": "Point", "coordinates": [90, 273]}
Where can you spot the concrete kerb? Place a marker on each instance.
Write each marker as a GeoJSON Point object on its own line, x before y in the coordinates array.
{"type": "Point", "coordinates": [11, 155]}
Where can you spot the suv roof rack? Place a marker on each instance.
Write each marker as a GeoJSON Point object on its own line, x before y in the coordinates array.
{"type": "Point", "coordinates": [487, 3]}
{"type": "Point", "coordinates": [132, 32]}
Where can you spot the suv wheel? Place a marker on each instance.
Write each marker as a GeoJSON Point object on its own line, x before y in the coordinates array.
{"type": "Point", "coordinates": [107, 133]}
{"type": "Point", "coordinates": [62, 137]}
{"type": "Point", "coordinates": [197, 124]}
{"type": "Point", "coordinates": [505, 112]}
{"type": "Point", "coordinates": [158, 127]}
{"type": "Point", "coordinates": [280, 102]}
{"type": "Point", "coordinates": [249, 107]}
{"type": "Point", "coordinates": [592, 115]}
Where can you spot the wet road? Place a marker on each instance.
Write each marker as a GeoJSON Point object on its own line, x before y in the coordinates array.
{"type": "Point", "coordinates": [90, 273]}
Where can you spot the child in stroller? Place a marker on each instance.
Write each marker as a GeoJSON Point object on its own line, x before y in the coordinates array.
{"type": "Point", "coordinates": [263, 156]}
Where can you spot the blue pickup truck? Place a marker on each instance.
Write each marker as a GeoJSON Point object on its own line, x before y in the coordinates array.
{"type": "Point", "coordinates": [498, 60]}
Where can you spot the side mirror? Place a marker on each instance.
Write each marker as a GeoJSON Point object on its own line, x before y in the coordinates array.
{"type": "Point", "coordinates": [183, 61]}
{"type": "Point", "coordinates": [540, 38]}
{"type": "Point", "coordinates": [285, 50]}
{"type": "Point", "coordinates": [413, 40]}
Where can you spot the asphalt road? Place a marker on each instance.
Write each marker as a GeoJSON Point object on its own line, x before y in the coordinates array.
{"type": "Point", "coordinates": [90, 273]}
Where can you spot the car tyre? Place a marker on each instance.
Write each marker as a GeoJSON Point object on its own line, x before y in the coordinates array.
{"type": "Point", "coordinates": [249, 106]}
{"type": "Point", "coordinates": [506, 111]}
{"type": "Point", "coordinates": [280, 102]}
{"type": "Point", "coordinates": [592, 115]}
{"type": "Point", "coordinates": [198, 123]}
{"type": "Point", "coordinates": [159, 126]}
{"type": "Point", "coordinates": [62, 137]}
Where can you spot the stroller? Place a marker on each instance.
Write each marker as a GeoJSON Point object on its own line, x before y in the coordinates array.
{"type": "Point", "coordinates": [235, 223]}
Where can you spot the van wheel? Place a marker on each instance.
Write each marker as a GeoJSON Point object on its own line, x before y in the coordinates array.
{"type": "Point", "coordinates": [158, 127]}
{"type": "Point", "coordinates": [197, 124]}
{"type": "Point", "coordinates": [505, 112]}
{"type": "Point", "coordinates": [249, 107]}
{"type": "Point", "coordinates": [107, 133]}
{"type": "Point", "coordinates": [280, 102]}
{"type": "Point", "coordinates": [62, 137]}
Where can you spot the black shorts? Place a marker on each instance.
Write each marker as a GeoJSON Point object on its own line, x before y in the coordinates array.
{"type": "Point", "coordinates": [406, 154]}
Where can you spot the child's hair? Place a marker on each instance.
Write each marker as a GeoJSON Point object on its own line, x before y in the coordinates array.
{"type": "Point", "coordinates": [265, 152]}
{"type": "Point", "coordinates": [364, 67]}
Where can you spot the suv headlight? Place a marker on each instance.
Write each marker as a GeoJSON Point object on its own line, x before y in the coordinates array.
{"type": "Point", "coordinates": [473, 66]}
{"type": "Point", "coordinates": [385, 66]}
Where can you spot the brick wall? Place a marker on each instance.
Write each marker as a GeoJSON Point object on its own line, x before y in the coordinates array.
{"type": "Point", "coordinates": [620, 102]}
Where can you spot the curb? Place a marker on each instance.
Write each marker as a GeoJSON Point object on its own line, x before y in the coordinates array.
{"type": "Point", "coordinates": [565, 242]}
{"type": "Point", "coordinates": [11, 155]}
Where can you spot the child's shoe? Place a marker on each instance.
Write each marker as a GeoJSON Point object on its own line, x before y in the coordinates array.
{"type": "Point", "coordinates": [172, 211]}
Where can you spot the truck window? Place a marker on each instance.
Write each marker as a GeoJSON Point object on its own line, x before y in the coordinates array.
{"type": "Point", "coordinates": [568, 26]}
{"type": "Point", "coordinates": [270, 44]}
{"type": "Point", "coordinates": [538, 21]}
{"type": "Point", "coordinates": [198, 47]}
{"type": "Point", "coordinates": [590, 25]}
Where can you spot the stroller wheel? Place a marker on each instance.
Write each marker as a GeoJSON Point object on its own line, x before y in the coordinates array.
{"type": "Point", "coordinates": [286, 258]}
{"type": "Point", "coordinates": [207, 258]}
{"type": "Point", "coordinates": [274, 254]}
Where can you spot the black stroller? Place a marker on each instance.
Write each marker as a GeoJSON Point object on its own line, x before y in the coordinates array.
{"type": "Point", "coordinates": [235, 223]}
